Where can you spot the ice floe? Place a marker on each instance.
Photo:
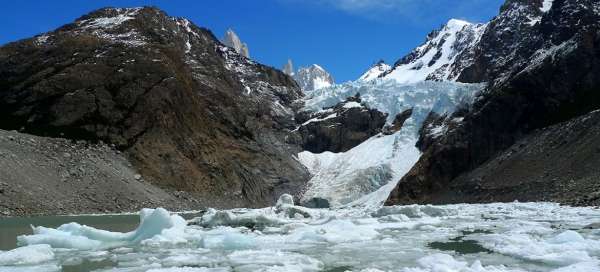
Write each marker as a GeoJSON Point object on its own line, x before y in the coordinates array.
{"type": "Point", "coordinates": [498, 237]}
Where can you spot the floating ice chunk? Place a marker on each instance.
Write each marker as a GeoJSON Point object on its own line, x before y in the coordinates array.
{"type": "Point", "coordinates": [568, 236]}
{"type": "Point", "coordinates": [153, 222]}
{"type": "Point", "coordinates": [413, 211]}
{"type": "Point", "coordinates": [446, 263]}
{"type": "Point", "coordinates": [189, 269]}
{"type": "Point", "coordinates": [272, 260]}
{"type": "Point", "coordinates": [592, 266]}
{"type": "Point", "coordinates": [285, 199]}
{"type": "Point", "coordinates": [564, 249]}
{"type": "Point", "coordinates": [249, 219]}
{"type": "Point", "coordinates": [37, 268]}
{"type": "Point", "coordinates": [228, 238]}
{"type": "Point", "coordinates": [27, 255]}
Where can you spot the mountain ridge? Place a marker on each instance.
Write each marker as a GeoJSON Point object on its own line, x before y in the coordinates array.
{"type": "Point", "coordinates": [189, 112]}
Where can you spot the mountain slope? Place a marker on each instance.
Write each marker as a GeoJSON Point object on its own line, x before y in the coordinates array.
{"type": "Point", "coordinates": [539, 73]}
{"type": "Point", "coordinates": [42, 175]}
{"type": "Point", "coordinates": [375, 71]}
{"type": "Point", "coordinates": [558, 164]}
{"type": "Point", "coordinates": [190, 113]}
{"type": "Point", "coordinates": [443, 56]}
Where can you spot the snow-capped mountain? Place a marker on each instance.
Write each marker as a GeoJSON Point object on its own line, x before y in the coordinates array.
{"type": "Point", "coordinates": [313, 77]}
{"type": "Point", "coordinates": [375, 71]}
{"type": "Point", "coordinates": [443, 56]}
{"type": "Point", "coordinates": [540, 59]}
{"type": "Point", "coordinates": [232, 40]}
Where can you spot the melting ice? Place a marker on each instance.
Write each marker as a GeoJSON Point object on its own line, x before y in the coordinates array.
{"type": "Point", "coordinates": [485, 237]}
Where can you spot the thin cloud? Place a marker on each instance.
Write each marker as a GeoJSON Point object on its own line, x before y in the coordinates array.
{"type": "Point", "coordinates": [417, 11]}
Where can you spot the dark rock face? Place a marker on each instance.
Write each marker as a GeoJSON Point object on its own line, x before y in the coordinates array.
{"type": "Point", "coordinates": [398, 122]}
{"type": "Point", "coordinates": [552, 77]}
{"type": "Point", "coordinates": [558, 164]}
{"type": "Point", "coordinates": [316, 203]}
{"type": "Point", "coordinates": [339, 128]}
{"type": "Point", "coordinates": [191, 113]}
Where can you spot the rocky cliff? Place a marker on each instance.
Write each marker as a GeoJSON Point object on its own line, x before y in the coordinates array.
{"type": "Point", "coordinates": [339, 128]}
{"type": "Point", "coordinates": [189, 112]}
{"type": "Point", "coordinates": [541, 64]}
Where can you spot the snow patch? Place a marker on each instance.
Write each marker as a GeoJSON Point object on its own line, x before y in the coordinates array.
{"type": "Point", "coordinates": [546, 5]}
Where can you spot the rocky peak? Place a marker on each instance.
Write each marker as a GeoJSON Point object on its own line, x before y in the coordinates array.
{"type": "Point", "coordinates": [288, 68]}
{"type": "Point", "coordinates": [313, 77]}
{"type": "Point", "coordinates": [232, 40]}
{"type": "Point", "coordinates": [443, 55]}
{"type": "Point", "coordinates": [375, 71]}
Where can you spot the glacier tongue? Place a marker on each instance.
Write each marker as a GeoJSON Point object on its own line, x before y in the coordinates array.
{"type": "Point", "coordinates": [365, 175]}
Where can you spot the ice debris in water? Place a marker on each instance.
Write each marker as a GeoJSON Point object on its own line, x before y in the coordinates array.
{"type": "Point", "coordinates": [541, 237]}
{"type": "Point", "coordinates": [27, 255]}
{"type": "Point", "coordinates": [279, 215]}
{"type": "Point", "coordinates": [153, 222]}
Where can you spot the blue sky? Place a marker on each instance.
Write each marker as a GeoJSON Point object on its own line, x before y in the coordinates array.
{"type": "Point", "coordinates": [344, 36]}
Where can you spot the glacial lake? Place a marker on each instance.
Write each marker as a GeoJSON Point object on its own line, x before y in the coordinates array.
{"type": "Point", "coordinates": [471, 238]}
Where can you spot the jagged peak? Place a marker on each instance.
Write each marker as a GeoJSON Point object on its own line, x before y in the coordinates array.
{"type": "Point", "coordinates": [288, 68]}
{"type": "Point", "coordinates": [313, 77]}
{"type": "Point", "coordinates": [232, 40]}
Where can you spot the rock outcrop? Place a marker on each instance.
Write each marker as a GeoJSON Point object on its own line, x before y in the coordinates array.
{"type": "Point", "coordinates": [232, 40]}
{"type": "Point", "coordinates": [545, 73]}
{"type": "Point", "coordinates": [398, 122]}
{"type": "Point", "coordinates": [339, 128]}
{"type": "Point", "coordinates": [190, 113]}
{"type": "Point", "coordinates": [288, 68]}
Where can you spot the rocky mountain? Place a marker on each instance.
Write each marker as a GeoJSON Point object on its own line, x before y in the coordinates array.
{"type": "Point", "coordinates": [557, 163]}
{"type": "Point", "coordinates": [375, 71]}
{"type": "Point", "coordinates": [190, 113]}
{"type": "Point", "coordinates": [541, 61]}
{"type": "Point", "coordinates": [313, 77]}
{"type": "Point", "coordinates": [232, 40]}
{"type": "Point", "coordinates": [444, 55]}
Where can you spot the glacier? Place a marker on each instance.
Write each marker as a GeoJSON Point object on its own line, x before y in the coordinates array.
{"type": "Point", "coordinates": [366, 174]}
